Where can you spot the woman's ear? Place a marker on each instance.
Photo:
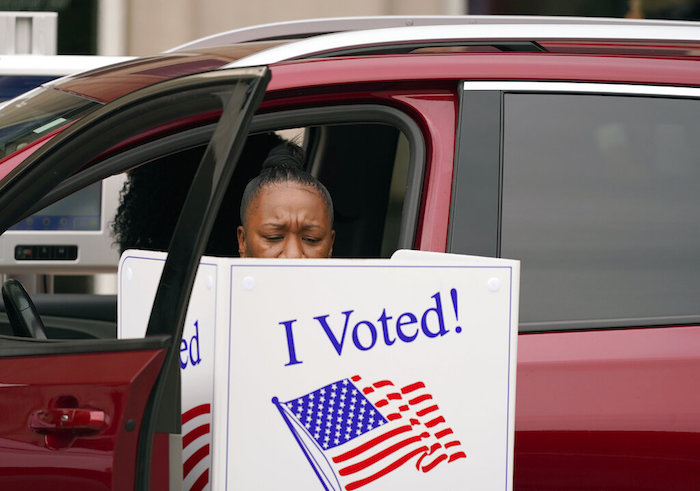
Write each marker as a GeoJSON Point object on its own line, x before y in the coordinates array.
{"type": "Point", "coordinates": [240, 233]}
{"type": "Point", "coordinates": [330, 252]}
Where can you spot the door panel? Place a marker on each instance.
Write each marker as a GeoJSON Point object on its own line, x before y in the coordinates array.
{"type": "Point", "coordinates": [58, 390]}
{"type": "Point", "coordinates": [608, 409]}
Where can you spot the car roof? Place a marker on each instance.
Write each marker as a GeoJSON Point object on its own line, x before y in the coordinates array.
{"type": "Point", "coordinates": [327, 38]}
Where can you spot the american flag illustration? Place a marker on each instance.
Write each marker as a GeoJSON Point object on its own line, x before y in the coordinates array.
{"type": "Point", "coordinates": [354, 433]}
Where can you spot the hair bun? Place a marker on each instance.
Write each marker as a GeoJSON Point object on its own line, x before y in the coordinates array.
{"type": "Point", "coordinates": [286, 154]}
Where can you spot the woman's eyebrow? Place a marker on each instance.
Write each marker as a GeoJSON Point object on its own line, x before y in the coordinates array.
{"type": "Point", "coordinates": [313, 226]}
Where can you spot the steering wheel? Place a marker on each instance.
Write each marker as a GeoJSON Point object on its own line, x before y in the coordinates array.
{"type": "Point", "coordinates": [23, 316]}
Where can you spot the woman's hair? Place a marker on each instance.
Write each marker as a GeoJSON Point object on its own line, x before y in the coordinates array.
{"type": "Point", "coordinates": [284, 164]}
{"type": "Point", "coordinates": [153, 195]}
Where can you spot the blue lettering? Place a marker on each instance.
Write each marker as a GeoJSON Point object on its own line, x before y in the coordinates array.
{"type": "Point", "coordinates": [385, 328]}
{"type": "Point", "coordinates": [290, 343]}
{"type": "Point", "coordinates": [365, 333]}
{"type": "Point", "coordinates": [441, 320]}
{"type": "Point", "coordinates": [356, 337]}
{"type": "Point", "coordinates": [399, 324]}
{"type": "Point", "coordinates": [194, 339]}
{"type": "Point", "coordinates": [183, 349]}
{"type": "Point", "coordinates": [337, 343]}
{"type": "Point", "coordinates": [189, 352]}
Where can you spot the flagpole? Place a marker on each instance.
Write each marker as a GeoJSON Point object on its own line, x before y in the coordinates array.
{"type": "Point", "coordinates": [307, 454]}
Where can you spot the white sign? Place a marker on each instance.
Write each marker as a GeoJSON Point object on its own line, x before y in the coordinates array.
{"type": "Point", "coordinates": [349, 374]}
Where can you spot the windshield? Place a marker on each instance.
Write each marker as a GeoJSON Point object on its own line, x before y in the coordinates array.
{"type": "Point", "coordinates": [35, 114]}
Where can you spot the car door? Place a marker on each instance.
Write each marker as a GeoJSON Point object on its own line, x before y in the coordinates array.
{"type": "Point", "coordinates": [82, 414]}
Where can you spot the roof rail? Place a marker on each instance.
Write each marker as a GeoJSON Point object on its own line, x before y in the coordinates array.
{"type": "Point", "coordinates": [366, 42]}
{"type": "Point", "coordinates": [309, 28]}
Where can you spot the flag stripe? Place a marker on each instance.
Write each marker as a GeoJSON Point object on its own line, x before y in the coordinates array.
{"type": "Point", "coordinates": [194, 434]}
{"type": "Point", "coordinates": [412, 387]}
{"type": "Point", "coordinates": [386, 470]}
{"type": "Point", "coordinates": [427, 410]}
{"type": "Point", "coordinates": [382, 403]}
{"type": "Point", "coordinates": [194, 460]}
{"type": "Point", "coordinates": [420, 399]}
{"type": "Point", "coordinates": [367, 445]}
{"type": "Point", "coordinates": [445, 432]}
{"type": "Point", "coordinates": [382, 383]}
{"type": "Point", "coordinates": [452, 443]}
{"type": "Point", "coordinates": [393, 395]}
{"type": "Point", "coordinates": [434, 447]}
{"type": "Point", "coordinates": [431, 466]}
{"type": "Point", "coordinates": [367, 390]}
{"type": "Point", "coordinates": [201, 481]}
{"type": "Point", "coordinates": [457, 455]}
{"type": "Point", "coordinates": [393, 416]}
{"type": "Point", "coordinates": [351, 469]}
{"type": "Point", "coordinates": [195, 411]}
{"type": "Point", "coordinates": [435, 421]}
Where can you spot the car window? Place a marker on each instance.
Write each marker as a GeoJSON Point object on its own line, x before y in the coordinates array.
{"type": "Point", "coordinates": [600, 204]}
{"type": "Point", "coordinates": [367, 183]}
{"type": "Point", "coordinates": [14, 85]}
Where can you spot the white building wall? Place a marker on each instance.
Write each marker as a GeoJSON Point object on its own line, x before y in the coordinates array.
{"type": "Point", "coordinates": [153, 26]}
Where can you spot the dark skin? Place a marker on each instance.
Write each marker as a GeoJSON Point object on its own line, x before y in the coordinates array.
{"type": "Point", "coordinates": [287, 220]}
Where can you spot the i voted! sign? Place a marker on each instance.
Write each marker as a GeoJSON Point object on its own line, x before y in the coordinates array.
{"type": "Point", "coordinates": [369, 374]}
{"type": "Point", "coordinates": [351, 374]}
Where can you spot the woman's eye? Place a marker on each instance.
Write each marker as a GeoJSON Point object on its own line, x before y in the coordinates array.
{"type": "Point", "coordinates": [311, 240]}
{"type": "Point", "coordinates": [273, 238]}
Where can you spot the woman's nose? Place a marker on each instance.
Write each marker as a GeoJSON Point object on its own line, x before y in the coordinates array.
{"type": "Point", "coordinates": [292, 247]}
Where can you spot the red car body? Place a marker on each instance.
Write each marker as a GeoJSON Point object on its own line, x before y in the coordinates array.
{"type": "Point", "coordinates": [606, 406]}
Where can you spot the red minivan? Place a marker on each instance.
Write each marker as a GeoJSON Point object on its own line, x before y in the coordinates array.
{"type": "Point", "coordinates": [569, 144]}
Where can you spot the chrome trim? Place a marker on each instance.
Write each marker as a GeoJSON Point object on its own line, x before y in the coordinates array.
{"type": "Point", "coordinates": [315, 27]}
{"type": "Point", "coordinates": [606, 88]}
{"type": "Point", "coordinates": [327, 44]}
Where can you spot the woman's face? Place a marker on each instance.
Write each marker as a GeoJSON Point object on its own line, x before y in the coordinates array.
{"type": "Point", "coordinates": [286, 220]}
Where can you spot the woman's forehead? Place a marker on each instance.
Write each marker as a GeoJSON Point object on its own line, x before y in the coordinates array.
{"type": "Point", "coordinates": [286, 195]}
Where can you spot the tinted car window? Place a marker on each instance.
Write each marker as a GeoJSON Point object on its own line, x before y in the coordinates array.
{"type": "Point", "coordinates": [600, 203]}
{"type": "Point", "coordinates": [35, 114]}
{"type": "Point", "coordinates": [14, 85]}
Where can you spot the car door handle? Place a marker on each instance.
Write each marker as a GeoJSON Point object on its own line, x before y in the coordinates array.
{"type": "Point", "coordinates": [68, 420]}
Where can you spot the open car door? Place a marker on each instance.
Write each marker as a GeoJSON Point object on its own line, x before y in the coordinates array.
{"type": "Point", "coordinates": [82, 414]}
